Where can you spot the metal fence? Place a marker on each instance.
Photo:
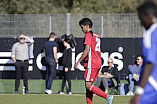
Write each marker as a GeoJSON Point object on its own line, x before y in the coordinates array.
{"type": "Point", "coordinates": [39, 25]}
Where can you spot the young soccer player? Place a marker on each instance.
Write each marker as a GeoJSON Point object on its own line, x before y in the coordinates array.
{"type": "Point", "coordinates": [92, 61]}
{"type": "Point", "coordinates": [146, 92]}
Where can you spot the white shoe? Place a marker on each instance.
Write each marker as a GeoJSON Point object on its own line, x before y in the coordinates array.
{"type": "Point", "coordinates": [109, 99]}
{"type": "Point", "coordinates": [130, 93]}
{"type": "Point", "coordinates": [62, 93]}
{"type": "Point", "coordinates": [136, 77]}
{"type": "Point", "coordinates": [70, 93]}
{"type": "Point", "coordinates": [48, 91]}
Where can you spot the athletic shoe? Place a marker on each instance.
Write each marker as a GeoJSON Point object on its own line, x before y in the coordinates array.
{"type": "Point", "coordinates": [130, 93]}
{"type": "Point", "coordinates": [70, 93]}
{"type": "Point", "coordinates": [27, 92]}
{"type": "Point", "coordinates": [47, 91]}
{"type": "Point", "coordinates": [15, 92]}
{"type": "Point", "coordinates": [109, 99]}
{"type": "Point", "coordinates": [62, 93]}
{"type": "Point", "coordinates": [136, 77]}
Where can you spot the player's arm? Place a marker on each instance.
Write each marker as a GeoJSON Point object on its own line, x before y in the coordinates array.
{"type": "Point", "coordinates": [85, 53]}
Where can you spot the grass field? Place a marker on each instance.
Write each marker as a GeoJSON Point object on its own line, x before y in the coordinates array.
{"type": "Point", "coordinates": [38, 86]}
{"type": "Point", "coordinates": [37, 96]}
{"type": "Point", "coordinates": [57, 99]}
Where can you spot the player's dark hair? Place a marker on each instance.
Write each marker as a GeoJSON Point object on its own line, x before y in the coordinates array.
{"type": "Point", "coordinates": [52, 35]}
{"type": "Point", "coordinates": [86, 21]}
{"type": "Point", "coordinates": [148, 7]}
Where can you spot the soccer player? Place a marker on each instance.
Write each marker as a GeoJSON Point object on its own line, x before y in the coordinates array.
{"type": "Point", "coordinates": [92, 61]}
{"type": "Point", "coordinates": [146, 92]}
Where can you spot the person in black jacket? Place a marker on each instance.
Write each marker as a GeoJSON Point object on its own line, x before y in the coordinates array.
{"type": "Point", "coordinates": [67, 64]}
{"type": "Point", "coordinates": [108, 73]}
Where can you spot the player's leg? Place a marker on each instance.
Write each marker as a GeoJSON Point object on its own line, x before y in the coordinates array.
{"type": "Point", "coordinates": [95, 90]}
{"type": "Point", "coordinates": [90, 77]}
{"type": "Point", "coordinates": [89, 96]}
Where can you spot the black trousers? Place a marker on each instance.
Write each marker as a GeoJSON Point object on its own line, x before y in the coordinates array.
{"type": "Point", "coordinates": [21, 70]}
{"type": "Point", "coordinates": [66, 76]}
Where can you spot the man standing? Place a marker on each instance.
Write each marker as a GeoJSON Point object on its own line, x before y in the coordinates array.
{"type": "Point", "coordinates": [20, 58]}
{"type": "Point", "coordinates": [50, 52]}
{"type": "Point", "coordinates": [146, 92]}
{"type": "Point", "coordinates": [92, 61]}
{"type": "Point", "coordinates": [134, 73]}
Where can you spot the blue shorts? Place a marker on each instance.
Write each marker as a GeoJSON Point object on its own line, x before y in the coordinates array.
{"type": "Point", "coordinates": [149, 96]}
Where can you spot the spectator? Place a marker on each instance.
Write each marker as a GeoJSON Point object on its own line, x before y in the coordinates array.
{"type": "Point", "coordinates": [20, 58]}
{"type": "Point", "coordinates": [67, 64]}
{"type": "Point", "coordinates": [108, 73]}
{"type": "Point", "coordinates": [134, 73]}
{"type": "Point", "coordinates": [50, 52]}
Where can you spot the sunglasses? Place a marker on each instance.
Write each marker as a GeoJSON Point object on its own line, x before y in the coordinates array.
{"type": "Point", "coordinates": [110, 62]}
{"type": "Point", "coordinates": [22, 38]}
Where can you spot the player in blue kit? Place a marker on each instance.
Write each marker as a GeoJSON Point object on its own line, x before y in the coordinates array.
{"type": "Point", "coordinates": [146, 92]}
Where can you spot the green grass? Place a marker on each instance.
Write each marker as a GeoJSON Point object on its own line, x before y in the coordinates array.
{"type": "Point", "coordinates": [38, 86]}
{"type": "Point", "coordinates": [57, 99]}
{"type": "Point", "coordinates": [37, 95]}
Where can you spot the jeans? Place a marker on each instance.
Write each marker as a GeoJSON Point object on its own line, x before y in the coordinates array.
{"type": "Point", "coordinates": [131, 82]}
{"type": "Point", "coordinates": [21, 69]}
{"type": "Point", "coordinates": [131, 79]}
{"type": "Point", "coordinates": [50, 72]}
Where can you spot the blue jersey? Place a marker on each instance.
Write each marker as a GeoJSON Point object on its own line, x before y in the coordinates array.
{"type": "Point", "coordinates": [150, 55]}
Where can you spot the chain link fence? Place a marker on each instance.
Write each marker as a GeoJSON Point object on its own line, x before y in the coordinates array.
{"type": "Point", "coordinates": [39, 25]}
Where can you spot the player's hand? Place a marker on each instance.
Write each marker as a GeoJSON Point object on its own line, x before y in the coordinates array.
{"type": "Point", "coordinates": [76, 66]}
{"type": "Point", "coordinates": [66, 69]}
{"type": "Point", "coordinates": [100, 73]}
{"type": "Point", "coordinates": [135, 99]}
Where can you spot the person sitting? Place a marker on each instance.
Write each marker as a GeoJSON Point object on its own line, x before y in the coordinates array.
{"type": "Point", "coordinates": [108, 73]}
{"type": "Point", "coordinates": [134, 73]}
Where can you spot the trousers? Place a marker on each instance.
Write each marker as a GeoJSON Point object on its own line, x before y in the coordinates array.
{"type": "Point", "coordinates": [21, 70]}
{"type": "Point", "coordinates": [66, 77]}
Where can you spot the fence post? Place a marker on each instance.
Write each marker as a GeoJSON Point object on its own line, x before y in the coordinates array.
{"type": "Point", "coordinates": [50, 24]}
{"type": "Point", "coordinates": [102, 26]}
{"type": "Point", "coordinates": [68, 23]}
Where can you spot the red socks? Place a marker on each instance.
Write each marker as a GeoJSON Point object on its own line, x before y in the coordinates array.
{"type": "Point", "coordinates": [98, 91]}
{"type": "Point", "coordinates": [95, 90]}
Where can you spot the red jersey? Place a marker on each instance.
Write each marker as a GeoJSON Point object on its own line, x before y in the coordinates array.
{"type": "Point", "coordinates": [93, 60]}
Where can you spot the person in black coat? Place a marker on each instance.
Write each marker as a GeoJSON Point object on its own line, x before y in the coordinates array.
{"type": "Point", "coordinates": [67, 64]}
{"type": "Point", "coordinates": [108, 73]}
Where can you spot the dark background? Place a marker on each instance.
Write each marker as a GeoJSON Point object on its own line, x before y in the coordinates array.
{"type": "Point", "coordinates": [131, 49]}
